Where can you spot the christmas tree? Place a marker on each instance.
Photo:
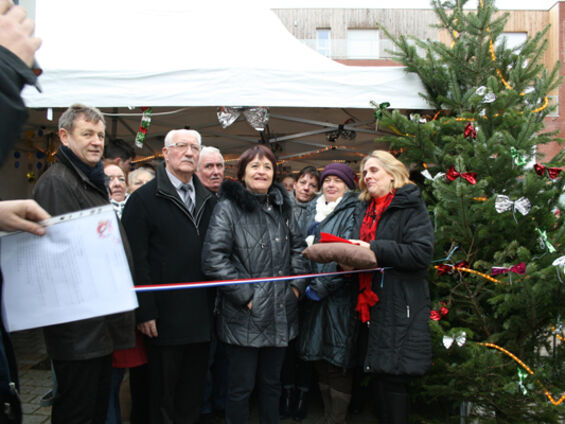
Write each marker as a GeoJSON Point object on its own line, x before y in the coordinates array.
{"type": "Point", "coordinates": [498, 286]}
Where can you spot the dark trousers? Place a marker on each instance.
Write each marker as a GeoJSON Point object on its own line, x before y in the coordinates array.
{"type": "Point", "coordinates": [139, 391]}
{"type": "Point", "coordinates": [216, 385]}
{"type": "Point", "coordinates": [245, 366]}
{"type": "Point", "coordinates": [83, 390]}
{"type": "Point", "coordinates": [295, 371]}
{"type": "Point", "coordinates": [393, 398]}
{"type": "Point", "coordinates": [177, 375]}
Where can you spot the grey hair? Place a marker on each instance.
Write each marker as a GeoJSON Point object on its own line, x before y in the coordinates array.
{"type": "Point", "coordinates": [206, 150]}
{"type": "Point", "coordinates": [137, 171]}
{"type": "Point", "coordinates": [90, 114]}
{"type": "Point", "coordinates": [172, 133]}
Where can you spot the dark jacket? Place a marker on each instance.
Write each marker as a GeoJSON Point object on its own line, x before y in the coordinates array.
{"type": "Point", "coordinates": [166, 242]}
{"type": "Point", "coordinates": [64, 188]}
{"type": "Point", "coordinates": [14, 74]}
{"type": "Point", "coordinates": [327, 327]}
{"type": "Point", "coordinates": [255, 236]}
{"type": "Point", "coordinates": [399, 336]}
{"type": "Point", "coordinates": [299, 210]}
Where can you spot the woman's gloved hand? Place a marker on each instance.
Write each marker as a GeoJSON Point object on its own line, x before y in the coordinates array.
{"type": "Point", "coordinates": [311, 294]}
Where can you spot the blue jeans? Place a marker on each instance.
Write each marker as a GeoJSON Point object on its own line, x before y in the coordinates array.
{"type": "Point", "coordinates": [114, 413]}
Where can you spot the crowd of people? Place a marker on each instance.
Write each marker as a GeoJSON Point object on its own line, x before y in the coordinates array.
{"type": "Point", "coordinates": [193, 352]}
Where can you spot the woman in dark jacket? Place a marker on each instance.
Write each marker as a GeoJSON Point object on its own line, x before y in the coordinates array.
{"type": "Point", "coordinates": [328, 320]}
{"type": "Point", "coordinates": [253, 234]}
{"type": "Point", "coordinates": [296, 374]}
{"type": "Point", "coordinates": [394, 223]}
{"type": "Point", "coordinates": [305, 189]}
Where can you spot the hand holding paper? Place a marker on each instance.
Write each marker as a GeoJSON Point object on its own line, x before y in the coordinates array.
{"type": "Point", "coordinates": [78, 270]}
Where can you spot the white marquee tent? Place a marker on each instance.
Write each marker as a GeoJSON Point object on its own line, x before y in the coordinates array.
{"type": "Point", "coordinates": [174, 53]}
{"type": "Point", "coordinates": [185, 60]}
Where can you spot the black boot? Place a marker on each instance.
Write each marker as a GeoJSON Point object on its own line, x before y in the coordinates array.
{"type": "Point", "coordinates": [301, 404]}
{"type": "Point", "coordinates": [287, 403]}
{"type": "Point", "coordinates": [381, 403]}
{"type": "Point", "coordinates": [399, 407]}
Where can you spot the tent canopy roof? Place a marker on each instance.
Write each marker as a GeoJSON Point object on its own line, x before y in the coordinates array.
{"type": "Point", "coordinates": [184, 60]}
{"type": "Point", "coordinates": [175, 53]}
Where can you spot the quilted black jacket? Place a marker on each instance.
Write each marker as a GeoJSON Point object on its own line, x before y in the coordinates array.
{"type": "Point", "coordinates": [399, 335]}
{"type": "Point", "coordinates": [255, 236]}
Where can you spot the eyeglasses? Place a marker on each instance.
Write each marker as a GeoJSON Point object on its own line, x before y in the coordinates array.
{"type": "Point", "coordinates": [183, 146]}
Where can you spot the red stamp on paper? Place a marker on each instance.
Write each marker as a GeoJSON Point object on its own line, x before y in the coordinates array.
{"type": "Point", "coordinates": [104, 229]}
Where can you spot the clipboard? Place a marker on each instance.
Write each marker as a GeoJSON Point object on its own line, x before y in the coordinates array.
{"type": "Point", "coordinates": [77, 270]}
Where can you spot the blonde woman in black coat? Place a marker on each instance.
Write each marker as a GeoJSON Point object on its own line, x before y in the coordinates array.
{"type": "Point", "coordinates": [394, 223]}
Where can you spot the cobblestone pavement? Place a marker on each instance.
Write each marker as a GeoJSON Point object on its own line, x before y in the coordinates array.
{"type": "Point", "coordinates": [35, 381]}
{"type": "Point", "coordinates": [34, 373]}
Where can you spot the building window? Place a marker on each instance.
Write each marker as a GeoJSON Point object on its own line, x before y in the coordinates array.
{"type": "Point", "coordinates": [513, 39]}
{"type": "Point", "coordinates": [323, 42]}
{"type": "Point", "coordinates": [363, 44]}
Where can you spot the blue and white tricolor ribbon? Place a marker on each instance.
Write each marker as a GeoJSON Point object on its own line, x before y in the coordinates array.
{"type": "Point", "coordinates": [200, 284]}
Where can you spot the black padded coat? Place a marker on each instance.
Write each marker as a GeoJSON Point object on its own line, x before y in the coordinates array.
{"type": "Point", "coordinates": [399, 336]}
{"type": "Point", "coordinates": [250, 236]}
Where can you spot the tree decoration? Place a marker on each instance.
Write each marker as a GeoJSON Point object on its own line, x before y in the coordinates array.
{"type": "Point", "coordinates": [470, 131]}
{"type": "Point", "coordinates": [470, 177]}
{"type": "Point", "coordinates": [489, 98]}
{"type": "Point", "coordinates": [542, 170]}
{"type": "Point", "coordinates": [556, 331]}
{"type": "Point", "coordinates": [527, 369]}
{"type": "Point", "coordinates": [459, 338]}
{"type": "Point", "coordinates": [544, 242]}
{"type": "Point", "coordinates": [429, 176]}
{"type": "Point", "coordinates": [436, 315]}
{"type": "Point", "coordinates": [521, 379]}
{"type": "Point", "coordinates": [517, 156]}
{"type": "Point", "coordinates": [517, 269]}
{"type": "Point", "coordinates": [470, 271]}
{"type": "Point", "coordinates": [559, 262]}
{"type": "Point", "coordinates": [503, 204]}
{"type": "Point", "coordinates": [143, 127]}
{"type": "Point", "coordinates": [379, 109]}
{"type": "Point", "coordinates": [481, 91]}
{"type": "Point", "coordinates": [448, 269]}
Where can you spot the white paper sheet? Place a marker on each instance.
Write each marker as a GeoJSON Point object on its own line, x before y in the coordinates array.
{"type": "Point", "coordinates": [77, 270]}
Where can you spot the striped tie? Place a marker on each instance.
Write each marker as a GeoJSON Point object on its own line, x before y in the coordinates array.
{"type": "Point", "coordinates": [187, 190]}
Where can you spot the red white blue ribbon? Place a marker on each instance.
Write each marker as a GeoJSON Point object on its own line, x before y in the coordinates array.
{"type": "Point", "coordinates": [200, 284]}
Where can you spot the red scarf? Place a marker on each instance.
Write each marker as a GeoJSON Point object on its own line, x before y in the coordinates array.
{"type": "Point", "coordinates": [367, 297]}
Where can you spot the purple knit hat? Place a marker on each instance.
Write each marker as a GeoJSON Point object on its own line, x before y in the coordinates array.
{"type": "Point", "coordinates": [340, 170]}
